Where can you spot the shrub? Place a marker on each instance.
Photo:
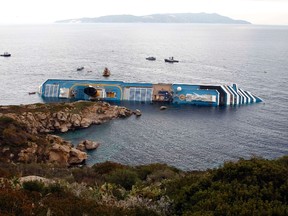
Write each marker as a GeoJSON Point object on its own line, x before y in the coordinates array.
{"type": "Point", "coordinates": [4, 173]}
{"type": "Point", "coordinates": [106, 167]}
{"type": "Point", "coordinates": [80, 105]}
{"type": "Point", "coordinates": [13, 137]}
{"type": "Point", "coordinates": [247, 187]}
{"type": "Point", "coordinates": [13, 202]}
{"type": "Point", "coordinates": [85, 175]}
{"type": "Point", "coordinates": [156, 172]}
{"type": "Point", "coordinates": [37, 186]}
{"type": "Point", "coordinates": [54, 188]}
{"type": "Point", "coordinates": [125, 178]}
{"type": "Point", "coordinates": [4, 120]}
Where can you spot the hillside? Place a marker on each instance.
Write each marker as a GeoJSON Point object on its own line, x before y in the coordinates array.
{"type": "Point", "coordinates": [160, 18]}
{"type": "Point", "coordinates": [247, 187]}
{"type": "Point", "coordinates": [36, 177]}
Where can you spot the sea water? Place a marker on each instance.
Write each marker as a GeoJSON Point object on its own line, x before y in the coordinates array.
{"type": "Point", "coordinates": [187, 137]}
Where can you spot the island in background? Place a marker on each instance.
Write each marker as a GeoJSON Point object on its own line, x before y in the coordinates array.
{"type": "Point", "coordinates": [160, 18]}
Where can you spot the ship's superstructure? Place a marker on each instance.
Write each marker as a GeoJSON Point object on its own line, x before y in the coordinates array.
{"type": "Point", "coordinates": [203, 95]}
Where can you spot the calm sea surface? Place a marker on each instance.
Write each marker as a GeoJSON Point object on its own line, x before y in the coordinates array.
{"type": "Point", "coordinates": [254, 57]}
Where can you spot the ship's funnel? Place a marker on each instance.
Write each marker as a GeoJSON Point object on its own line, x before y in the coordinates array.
{"type": "Point", "coordinates": [90, 91]}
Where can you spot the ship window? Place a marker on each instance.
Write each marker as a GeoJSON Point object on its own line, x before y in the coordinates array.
{"type": "Point", "coordinates": [137, 95]}
{"type": "Point", "coordinates": [51, 90]}
{"type": "Point", "coordinates": [132, 94]}
{"type": "Point", "coordinates": [149, 95]}
{"type": "Point", "coordinates": [111, 94]}
{"type": "Point", "coordinates": [140, 94]}
{"type": "Point", "coordinates": [99, 93]}
{"type": "Point", "coordinates": [143, 94]}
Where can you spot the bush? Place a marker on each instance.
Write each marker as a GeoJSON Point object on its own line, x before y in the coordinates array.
{"type": "Point", "coordinates": [13, 202]}
{"type": "Point", "coordinates": [13, 134]}
{"type": "Point", "coordinates": [80, 105]}
{"type": "Point", "coordinates": [85, 175]}
{"type": "Point", "coordinates": [4, 120]}
{"type": "Point", "coordinates": [37, 186]}
{"type": "Point", "coordinates": [247, 187]}
{"type": "Point", "coordinates": [4, 173]}
{"type": "Point", "coordinates": [156, 172]}
{"type": "Point", "coordinates": [125, 178]}
{"type": "Point", "coordinates": [106, 167]}
{"type": "Point", "coordinates": [54, 188]}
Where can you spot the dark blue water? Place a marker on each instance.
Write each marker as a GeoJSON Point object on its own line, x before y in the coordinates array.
{"type": "Point", "coordinates": [255, 57]}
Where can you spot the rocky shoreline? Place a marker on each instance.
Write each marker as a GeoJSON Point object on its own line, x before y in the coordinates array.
{"type": "Point", "coordinates": [35, 178]}
{"type": "Point", "coordinates": [25, 130]}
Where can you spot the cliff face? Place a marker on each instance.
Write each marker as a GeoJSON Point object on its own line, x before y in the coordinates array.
{"type": "Point", "coordinates": [24, 130]}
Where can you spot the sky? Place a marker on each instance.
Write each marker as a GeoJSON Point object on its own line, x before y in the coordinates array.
{"type": "Point", "coordinates": [264, 12]}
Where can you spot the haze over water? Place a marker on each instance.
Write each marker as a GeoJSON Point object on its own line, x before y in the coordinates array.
{"type": "Point", "coordinates": [254, 57]}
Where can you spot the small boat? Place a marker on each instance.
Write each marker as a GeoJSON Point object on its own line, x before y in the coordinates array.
{"type": "Point", "coordinates": [31, 93]}
{"type": "Point", "coordinates": [106, 72]}
{"type": "Point", "coordinates": [80, 68]}
{"type": "Point", "coordinates": [171, 60]}
{"type": "Point", "coordinates": [151, 58]}
{"type": "Point", "coordinates": [6, 54]}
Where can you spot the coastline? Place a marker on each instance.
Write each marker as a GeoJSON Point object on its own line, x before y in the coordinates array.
{"type": "Point", "coordinates": [36, 173]}
{"type": "Point", "coordinates": [29, 128]}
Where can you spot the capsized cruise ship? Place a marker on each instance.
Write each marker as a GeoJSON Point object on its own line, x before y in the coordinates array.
{"type": "Point", "coordinates": [113, 91]}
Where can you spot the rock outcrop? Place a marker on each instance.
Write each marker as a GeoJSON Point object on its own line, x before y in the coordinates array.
{"type": "Point", "coordinates": [44, 118]}
{"type": "Point", "coordinates": [137, 113]}
{"type": "Point", "coordinates": [163, 107]}
{"type": "Point", "coordinates": [63, 153]}
{"type": "Point", "coordinates": [28, 155]}
{"type": "Point", "coordinates": [45, 181]}
{"type": "Point", "coordinates": [87, 145]}
{"type": "Point", "coordinates": [27, 128]}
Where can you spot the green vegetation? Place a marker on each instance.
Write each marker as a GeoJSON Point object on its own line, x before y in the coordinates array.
{"type": "Point", "coordinates": [52, 108]}
{"type": "Point", "coordinates": [72, 107]}
{"type": "Point", "coordinates": [247, 187]}
{"type": "Point", "coordinates": [13, 133]}
{"type": "Point", "coordinates": [80, 105]}
{"type": "Point", "coordinates": [14, 137]}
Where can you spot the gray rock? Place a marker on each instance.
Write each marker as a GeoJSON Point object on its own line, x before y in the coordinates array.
{"type": "Point", "coordinates": [137, 112]}
{"type": "Point", "coordinates": [90, 145]}
{"type": "Point", "coordinates": [163, 107]}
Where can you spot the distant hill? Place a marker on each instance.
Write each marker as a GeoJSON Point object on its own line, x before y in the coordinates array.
{"type": "Point", "coordinates": [159, 18]}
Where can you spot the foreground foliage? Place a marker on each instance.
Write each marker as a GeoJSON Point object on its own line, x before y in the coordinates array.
{"type": "Point", "coordinates": [247, 187]}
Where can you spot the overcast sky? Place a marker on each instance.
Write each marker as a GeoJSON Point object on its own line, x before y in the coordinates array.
{"type": "Point", "coordinates": [48, 11]}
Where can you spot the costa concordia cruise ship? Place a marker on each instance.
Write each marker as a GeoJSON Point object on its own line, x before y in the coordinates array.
{"type": "Point", "coordinates": [113, 91]}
